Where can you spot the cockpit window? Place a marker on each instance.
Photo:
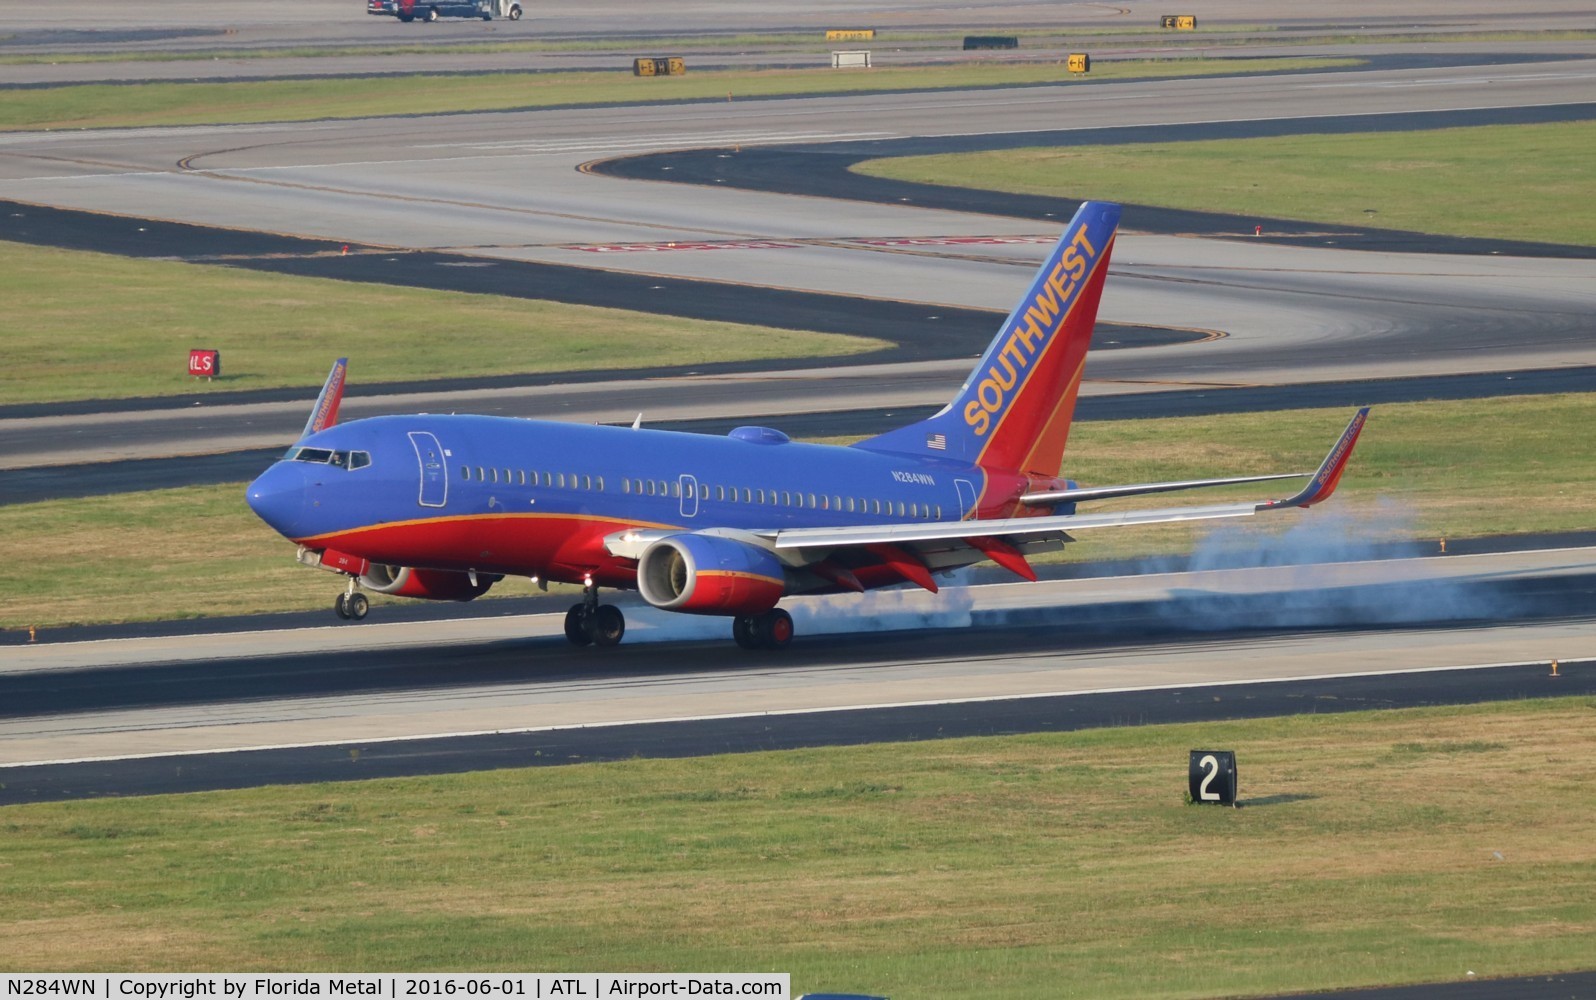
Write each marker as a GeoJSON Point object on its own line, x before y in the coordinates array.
{"type": "Point", "coordinates": [325, 456]}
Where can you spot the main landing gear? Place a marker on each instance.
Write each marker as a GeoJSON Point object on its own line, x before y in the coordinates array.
{"type": "Point", "coordinates": [351, 605]}
{"type": "Point", "coordinates": [771, 630]}
{"type": "Point", "coordinates": [592, 623]}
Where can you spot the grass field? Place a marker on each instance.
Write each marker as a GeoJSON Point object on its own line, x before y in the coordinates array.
{"type": "Point", "coordinates": [1429, 470]}
{"type": "Point", "coordinates": [130, 106]}
{"type": "Point", "coordinates": [131, 336]}
{"type": "Point", "coordinates": [1450, 181]}
{"type": "Point", "coordinates": [1389, 847]}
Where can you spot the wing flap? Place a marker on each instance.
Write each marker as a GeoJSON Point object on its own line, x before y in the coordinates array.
{"type": "Point", "coordinates": [1085, 493]}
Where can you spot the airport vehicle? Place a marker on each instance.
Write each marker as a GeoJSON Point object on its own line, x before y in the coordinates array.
{"type": "Point", "coordinates": [432, 10]}
{"type": "Point", "coordinates": [443, 506]}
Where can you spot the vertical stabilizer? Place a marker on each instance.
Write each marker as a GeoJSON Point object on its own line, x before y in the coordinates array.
{"type": "Point", "coordinates": [1013, 412]}
{"type": "Point", "coordinates": [325, 413]}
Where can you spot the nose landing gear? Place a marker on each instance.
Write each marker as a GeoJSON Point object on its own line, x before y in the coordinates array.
{"type": "Point", "coordinates": [351, 605]}
{"type": "Point", "coordinates": [592, 623]}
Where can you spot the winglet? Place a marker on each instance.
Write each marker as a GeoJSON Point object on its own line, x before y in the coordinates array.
{"type": "Point", "coordinates": [325, 413]}
{"type": "Point", "coordinates": [1324, 481]}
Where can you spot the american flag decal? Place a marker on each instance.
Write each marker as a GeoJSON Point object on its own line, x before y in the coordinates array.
{"type": "Point", "coordinates": [937, 442]}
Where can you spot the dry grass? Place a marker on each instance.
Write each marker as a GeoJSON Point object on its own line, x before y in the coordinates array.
{"type": "Point", "coordinates": [1039, 866]}
{"type": "Point", "coordinates": [1443, 181]}
{"type": "Point", "coordinates": [132, 336]}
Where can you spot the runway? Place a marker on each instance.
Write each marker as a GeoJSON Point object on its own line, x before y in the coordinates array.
{"type": "Point", "coordinates": [896, 665]}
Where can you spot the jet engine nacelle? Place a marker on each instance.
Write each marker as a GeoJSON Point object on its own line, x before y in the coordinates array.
{"type": "Point", "coordinates": [427, 584]}
{"type": "Point", "coordinates": [710, 575]}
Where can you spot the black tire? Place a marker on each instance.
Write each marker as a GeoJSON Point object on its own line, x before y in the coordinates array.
{"type": "Point", "coordinates": [431, 15]}
{"type": "Point", "coordinates": [515, 13]}
{"type": "Point", "coordinates": [775, 629]}
{"type": "Point", "coordinates": [574, 629]}
{"type": "Point", "coordinates": [745, 631]}
{"type": "Point", "coordinates": [487, 17]}
{"type": "Point", "coordinates": [357, 605]}
{"type": "Point", "coordinates": [607, 625]}
{"type": "Point", "coordinates": [407, 18]}
{"type": "Point", "coordinates": [341, 606]}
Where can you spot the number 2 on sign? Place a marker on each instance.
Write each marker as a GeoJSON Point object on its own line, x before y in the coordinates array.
{"type": "Point", "coordinates": [1209, 763]}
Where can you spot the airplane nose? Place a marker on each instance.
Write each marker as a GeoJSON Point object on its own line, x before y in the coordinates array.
{"type": "Point", "coordinates": [279, 496]}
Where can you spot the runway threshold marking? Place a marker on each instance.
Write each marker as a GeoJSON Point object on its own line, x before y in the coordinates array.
{"type": "Point", "coordinates": [720, 717]}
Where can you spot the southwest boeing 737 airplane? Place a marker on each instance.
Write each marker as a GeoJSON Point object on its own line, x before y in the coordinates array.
{"type": "Point", "coordinates": [442, 507]}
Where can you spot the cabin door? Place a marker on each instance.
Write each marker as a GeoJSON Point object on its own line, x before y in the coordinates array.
{"type": "Point", "coordinates": [434, 470]}
{"type": "Point", "coordinates": [689, 496]}
{"type": "Point", "coordinates": [966, 498]}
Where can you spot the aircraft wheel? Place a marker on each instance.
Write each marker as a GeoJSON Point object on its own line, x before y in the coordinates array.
{"type": "Point", "coordinates": [341, 606]}
{"type": "Point", "coordinates": [357, 605]}
{"type": "Point", "coordinates": [515, 13]}
{"type": "Point", "coordinates": [432, 14]}
{"type": "Point", "coordinates": [745, 630]}
{"type": "Point", "coordinates": [407, 18]}
{"type": "Point", "coordinates": [776, 629]}
{"type": "Point", "coordinates": [574, 627]}
{"type": "Point", "coordinates": [607, 625]}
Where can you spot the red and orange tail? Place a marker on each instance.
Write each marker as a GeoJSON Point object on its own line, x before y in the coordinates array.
{"type": "Point", "coordinates": [1013, 413]}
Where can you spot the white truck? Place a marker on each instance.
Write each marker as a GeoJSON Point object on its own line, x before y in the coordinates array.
{"type": "Point", "coordinates": [431, 10]}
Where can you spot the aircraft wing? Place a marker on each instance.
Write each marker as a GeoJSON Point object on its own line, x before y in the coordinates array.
{"type": "Point", "coordinates": [1019, 530]}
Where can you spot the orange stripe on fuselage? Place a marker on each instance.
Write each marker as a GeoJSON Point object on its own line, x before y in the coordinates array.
{"type": "Point", "coordinates": [722, 574]}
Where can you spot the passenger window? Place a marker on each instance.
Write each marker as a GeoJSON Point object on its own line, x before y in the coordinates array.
{"type": "Point", "coordinates": [587, 482]}
{"type": "Point", "coordinates": [836, 503]}
{"type": "Point", "coordinates": [508, 479]}
{"type": "Point", "coordinates": [720, 493]}
{"type": "Point", "coordinates": [465, 472]}
{"type": "Point", "coordinates": [598, 482]}
{"type": "Point", "coordinates": [900, 508]}
{"type": "Point", "coordinates": [877, 505]}
{"type": "Point", "coordinates": [676, 489]}
{"type": "Point", "coordinates": [652, 487]}
{"type": "Point", "coordinates": [626, 486]}
{"type": "Point", "coordinates": [703, 492]}
{"type": "Point", "coordinates": [748, 495]}
{"type": "Point", "coordinates": [812, 504]}
{"type": "Point", "coordinates": [759, 496]}
{"type": "Point", "coordinates": [850, 505]}
{"type": "Point", "coordinates": [825, 503]}
{"type": "Point", "coordinates": [786, 498]}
